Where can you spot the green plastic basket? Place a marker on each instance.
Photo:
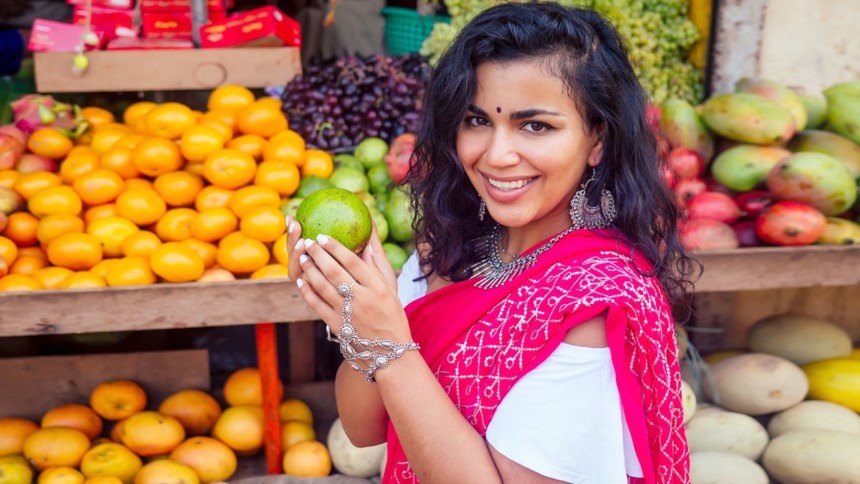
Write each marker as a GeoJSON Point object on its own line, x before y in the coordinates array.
{"type": "Point", "coordinates": [406, 29]}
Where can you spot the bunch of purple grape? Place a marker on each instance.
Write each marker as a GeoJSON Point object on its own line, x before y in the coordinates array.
{"type": "Point", "coordinates": [336, 105]}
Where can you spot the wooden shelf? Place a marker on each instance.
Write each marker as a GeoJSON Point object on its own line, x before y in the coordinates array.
{"type": "Point", "coordinates": [165, 70]}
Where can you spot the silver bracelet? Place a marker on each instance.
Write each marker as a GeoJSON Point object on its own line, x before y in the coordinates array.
{"type": "Point", "coordinates": [356, 349]}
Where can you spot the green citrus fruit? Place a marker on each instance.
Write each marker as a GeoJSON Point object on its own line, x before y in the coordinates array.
{"type": "Point", "coordinates": [338, 213]}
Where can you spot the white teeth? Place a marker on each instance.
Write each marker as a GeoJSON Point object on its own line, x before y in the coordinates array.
{"type": "Point", "coordinates": [509, 185]}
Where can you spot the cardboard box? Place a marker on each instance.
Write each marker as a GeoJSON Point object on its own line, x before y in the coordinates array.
{"type": "Point", "coordinates": [149, 44]}
{"type": "Point", "coordinates": [262, 27]}
{"type": "Point", "coordinates": [173, 25]}
{"type": "Point", "coordinates": [50, 36]}
{"type": "Point", "coordinates": [181, 5]}
{"type": "Point", "coordinates": [123, 4]}
{"type": "Point", "coordinates": [111, 23]}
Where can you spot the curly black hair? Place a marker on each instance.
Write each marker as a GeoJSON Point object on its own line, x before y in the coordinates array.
{"type": "Point", "coordinates": [583, 50]}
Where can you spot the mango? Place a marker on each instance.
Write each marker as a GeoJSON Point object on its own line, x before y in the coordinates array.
{"type": "Point", "coordinates": [748, 118]}
{"type": "Point", "coordinates": [843, 113]}
{"type": "Point", "coordinates": [816, 110]}
{"type": "Point", "coordinates": [839, 147]}
{"type": "Point", "coordinates": [779, 94]}
{"type": "Point", "coordinates": [743, 167]}
{"type": "Point", "coordinates": [839, 231]}
{"type": "Point", "coordinates": [815, 179]}
{"type": "Point", "coordinates": [685, 129]}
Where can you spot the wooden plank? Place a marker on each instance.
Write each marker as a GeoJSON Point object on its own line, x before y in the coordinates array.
{"type": "Point", "coordinates": [736, 39]}
{"type": "Point", "coordinates": [779, 267]}
{"type": "Point", "coordinates": [158, 70]}
{"type": "Point", "coordinates": [33, 385]}
{"type": "Point", "coordinates": [158, 306]}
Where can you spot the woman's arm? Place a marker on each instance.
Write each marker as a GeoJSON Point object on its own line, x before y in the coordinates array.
{"type": "Point", "coordinates": [360, 408]}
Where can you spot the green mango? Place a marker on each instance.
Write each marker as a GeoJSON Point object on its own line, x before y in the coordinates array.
{"type": "Point", "coordinates": [815, 179]}
{"type": "Point", "coordinates": [684, 128]}
{"type": "Point", "coordinates": [779, 94]}
{"type": "Point", "coordinates": [840, 231]}
{"type": "Point", "coordinates": [843, 114]}
{"type": "Point", "coordinates": [816, 110]}
{"type": "Point", "coordinates": [839, 147]}
{"type": "Point", "coordinates": [743, 167]}
{"type": "Point", "coordinates": [748, 118]}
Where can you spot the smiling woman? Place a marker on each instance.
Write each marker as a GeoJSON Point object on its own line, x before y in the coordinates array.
{"type": "Point", "coordinates": [539, 297]}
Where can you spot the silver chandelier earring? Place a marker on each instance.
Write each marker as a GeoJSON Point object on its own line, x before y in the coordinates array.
{"type": "Point", "coordinates": [585, 216]}
{"type": "Point", "coordinates": [482, 211]}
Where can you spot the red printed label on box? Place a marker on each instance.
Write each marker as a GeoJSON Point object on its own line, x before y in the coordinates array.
{"type": "Point", "coordinates": [166, 25]}
{"type": "Point", "coordinates": [149, 44]}
{"type": "Point", "coordinates": [181, 5]}
{"type": "Point", "coordinates": [123, 4]}
{"type": "Point", "coordinates": [262, 27]}
{"type": "Point", "coordinates": [110, 22]}
{"type": "Point", "coordinates": [50, 36]}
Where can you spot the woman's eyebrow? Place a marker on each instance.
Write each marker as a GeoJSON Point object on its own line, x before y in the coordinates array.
{"type": "Point", "coordinates": [477, 110]}
{"type": "Point", "coordinates": [530, 113]}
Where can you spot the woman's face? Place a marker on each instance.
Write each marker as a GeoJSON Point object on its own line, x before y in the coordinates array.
{"type": "Point", "coordinates": [524, 145]}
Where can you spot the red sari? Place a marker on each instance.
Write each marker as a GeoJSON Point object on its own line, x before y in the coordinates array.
{"type": "Point", "coordinates": [479, 342]}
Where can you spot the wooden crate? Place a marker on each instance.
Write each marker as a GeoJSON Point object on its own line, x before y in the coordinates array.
{"type": "Point", "coordinates": [165, 70]}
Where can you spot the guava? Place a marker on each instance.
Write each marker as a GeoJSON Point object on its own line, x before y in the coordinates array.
{"type": "Point", "coordinates": [310, 184]}
{"type": "Point", "coordinates": [368, 199]}
{"type": "Point", "coordinates": [344, 160]}
{"type": "Point", "coordinates": [395, 254]}
{"type": "Point", "coordinates": [382, 200]}
{"type": "Point", "coordinates": [338, 213]}
{"type": "Point", "coordinates": [381, 223]}
{"type": "Point", "coordinates": [349, 178]}
{"type": "Point", "coordinates": [380, 180]}
{"type": "Point", "coordinates": [371, 151]}
{"type": "Point", "coordinates": [399, 214]}
{"type": "Point", "coordinates": [290, 206]}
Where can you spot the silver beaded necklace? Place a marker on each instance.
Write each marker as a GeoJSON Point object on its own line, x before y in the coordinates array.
{"type": "Point", "coordinates": [493, 271]}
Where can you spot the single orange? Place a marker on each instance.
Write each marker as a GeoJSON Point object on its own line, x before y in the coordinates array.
{"type": "Point", "coordinates": [112, 127]}
{"type": "Point", "coordinates": [307, 459]}
{"type": "Point", "coordinates": [155, 156]}
{"type": "Point", "coordinates": [216, 274]}
{"type": "Point", "coordinates": [111, 232]}
{"type": "Point", "coordinates": [230, 98]}
{"type": "Point", "coordinates": [246, 198]}
{"type": "Point", "coordinates": [296, 431]}
{"type": "Point", "coordinates": [175, 262]}
{"type": "Point", "coordinates": [166, 471]}
{"type": "Point", "coordinates": [118, 160]}
{"type": "Point", "coordinates": [317, 162]}
{"type": "Point", "coordinates": [52, 226]}
{"type": "Point", "coordinates": [4, 268]}
{"type": "Point", "coordinates": [242, 255]}
{"type": "Point", "coordinates": [206, 250]}
{"type": "Point", "coordinates": [99, 186]}
{"type": "Point", "coordinates": [251, 144]}
{"type": "Point", "coordinates": [141, 243]}
{"type": "Point", "coordinates": [211, 459]}
{"type": "Point", "coordinates": [129, 141]}
{"type": "Point", "coordinates": [8, 177]}
{"type": "Point", "coordinates": [107, 138]}
{"type": "Point", "coordinates": [33, 252]}
{"type": "Point", "coordinates": [136, 112]}
{"type": "Point", "coordinates": [271, 271]}
{"type": "Point", "coordinates": [270, 101]}
{"type": "Point", "coordinates": [13, 432]}
{"type": "Point", "coordinates": [295, 409]}
{"type": "Point", "coordinates": [77, 252]}
{"type": "Point", "coordinates": [54, 200]}
{"type": "Point", "coordinates": [21, 228]}
{"type": "Point", "coordinates": [111, 459]}
{"type": "Point", "coordinates": [151, 433]}
{"type": "Point", "coordinates": [83, 280]}
{"type": "Point", "coordinates": [8, 250]}
{"type": "Point", "coordinates": [116, 431]}
{"type": "Point", "coordinates": [135, 183]}
{"type": "Point", "coordinates": [196, 410]}
{"type": "Point", "coordinates": [222, 115]}
{"type": "Point", "coordinates": [283, 176]}
{"type": "Point", "coordinates": [241, 428]}
{"type": "Point", "coordinates": [178, 188]}
{"type": "Point", "coordinates": [78, 164]}
{"type": "Point", "coordinates": [265, 224]}
{"type": "Point", "coordinates": [101, 269]}
{"type": "Point", "coordinates": [212, 224]}
{"type": "Point", "coordinates": [175, 225]}
{"type": "Point", "coordinates": [16, 470]}
{"type": "Point", "coordinates": [229, 169]}
{"type": "Point", "coordinates": [117, 399]}
{"type": "Point", "coordinates": [212, 197]}
{"type": "Point", "coordinates": [130, 271]}
{"type": "Point", "coordinates": [74, 416]}
{"type": "Point", "coordinates": [52, 277]}
{"type": "Point", "coordinates": [142, 206]}
{"type": "Point", "coordinates": [60, 475]}
{"type": "Point", "coordinates": [97, 116]}
{"type": "Point", "coordinates": [29, 184]}
{"type": "Point", "coordinates": [279, 250]}
{"type": "Point", "coordinates": [169, 120]}
{"type": "Point", "coordinates": [50, 143]}
{"type": "Point", "coordinates": [99, 211]}
{"type": "Point", "coordinates": [244, 387]}
{"type": "Point", "coordinates": [260, 118]}
{"type": "Point", "coordinates": [223, 124]}
{"type": "Point", "coordinates": [108, 479]}
{"type": "Point", "coordinates": [27, 265]}
{"type": "Point", "coordinates": [286, 146]}
{"type": "Point", "coordinates": [19, 282]}
{"type": "Point", "coordinates": [194, 168]}
{"type": "Point", "coordinates": [200, 141]}
{"type": "Point", "coordinates": [56, 446]}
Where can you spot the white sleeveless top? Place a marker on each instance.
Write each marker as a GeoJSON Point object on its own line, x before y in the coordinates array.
{"type": "Point", "coordinates": [545, 424]}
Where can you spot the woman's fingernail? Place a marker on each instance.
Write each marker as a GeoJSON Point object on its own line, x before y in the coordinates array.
{"type": "Point", "coordinates": [303, 258]}
{"type": "Point", "coordinates": [299, 244]}
{"type": "Point", "coordinates": [370, 248]}
{"type": "Point", "coordinates": [308, 243]}
{"type": "Point", "coordinates": [300, 282]}
{"type": "Point", "coordinates": [322, 239]}
{"type": "Point", "coordinates": [292, 226]}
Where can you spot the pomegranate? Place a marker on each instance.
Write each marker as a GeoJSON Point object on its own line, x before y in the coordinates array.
{"type": "Point", "coordinates": [686, 163]}
{"type": "Point", "coordinates": [398, 158]}
{"type": "Point", "coordinates": [752, 203]}
{"type": "Point", "coordinates": [745, 231]}
{"type": "Point", "coordinates": [713, 205]}
{"type": "Point", "coordinates": [790, 223]}
{"type": "Point", "coordinates": [708, 234]}
{"type": "Point", "coordinates": [688, 188]}
{"type": "Point", "coordinates": [31, 162]}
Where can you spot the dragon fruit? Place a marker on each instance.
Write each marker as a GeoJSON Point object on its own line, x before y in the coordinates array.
{"type": "Point", "coordinates": [35, 111]}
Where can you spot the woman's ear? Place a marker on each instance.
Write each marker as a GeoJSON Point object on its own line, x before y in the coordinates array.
{"type": "Point", "coordinates": [596, 153]}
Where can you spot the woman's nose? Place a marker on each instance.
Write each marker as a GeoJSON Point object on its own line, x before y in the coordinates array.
{"type": "Point", "coordinates": [502, 149]}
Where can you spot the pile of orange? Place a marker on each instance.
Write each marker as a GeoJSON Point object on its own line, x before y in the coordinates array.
{"type": "Point", "coordinates": [166, 194]}
{"type": "Point", "coordinates": [120, 439]}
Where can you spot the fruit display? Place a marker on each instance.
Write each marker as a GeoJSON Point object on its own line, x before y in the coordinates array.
{"type": "Point", "coordinates": [784, 411]}
{"type": "Point", "coordinates": [658, 33]}
{"type": "Point", "coordinates": [763, 166]}
{"type": "Point", "coordinates": [168, 194]}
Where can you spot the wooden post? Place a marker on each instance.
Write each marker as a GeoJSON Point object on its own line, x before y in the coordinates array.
{"type": "Point", "coordinates": [267, 360]}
